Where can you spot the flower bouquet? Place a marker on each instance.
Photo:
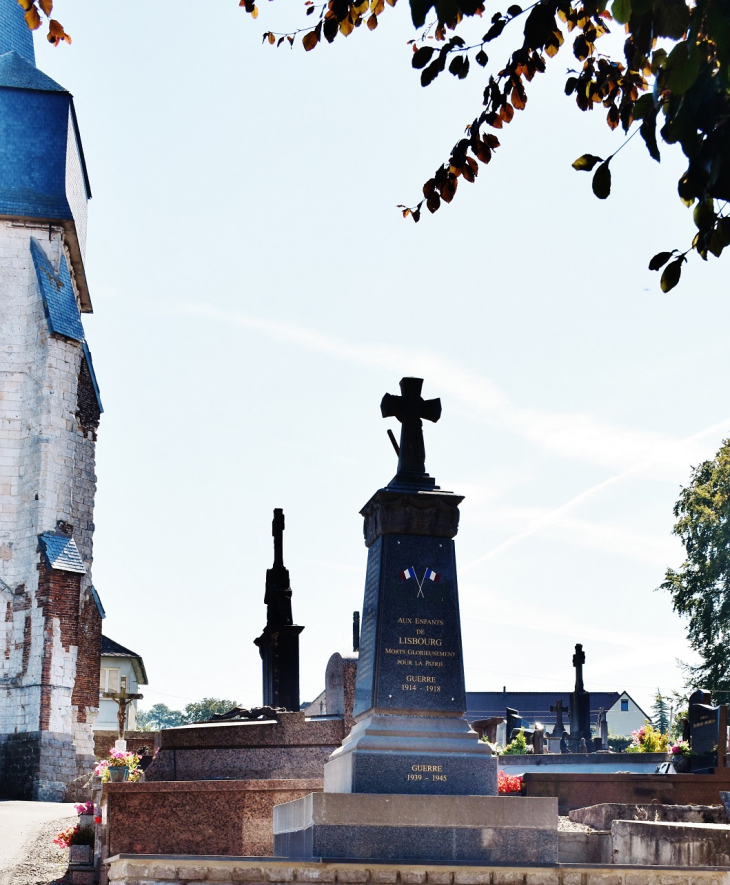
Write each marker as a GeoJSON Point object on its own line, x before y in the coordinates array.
{"type": "Point", "coordinates": [508, 784]}
{"type": "Point", "coordinates": [648, 740]}
{"type": "Point", "coordinates": [120, 766]}
{"type": "Point", "coordinates": [680, 756]}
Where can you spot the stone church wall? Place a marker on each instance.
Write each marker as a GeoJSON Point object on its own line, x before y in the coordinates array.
{"type": "Point", "coordinates": [51, 626]}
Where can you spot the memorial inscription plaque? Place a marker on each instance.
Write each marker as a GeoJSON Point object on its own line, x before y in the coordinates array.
{"type": "Point", "coordinates": [413, 654]}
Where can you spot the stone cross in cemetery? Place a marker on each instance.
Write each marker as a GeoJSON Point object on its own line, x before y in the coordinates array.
{"type": "Point", "coordinates": [410, 738]}
{"type": "Point", "coordinates": [279, 643]}
{"type": "Point", "coordinates": [559, 709]}
{"type": "Point", "coordinates": [409, 408]}
{"type": "Point", "coordinates": [123, 701]}
{"type": "Point", "coordinates": [580, 704]}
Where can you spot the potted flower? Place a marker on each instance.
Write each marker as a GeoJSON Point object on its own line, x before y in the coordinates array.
{"type": "Point", "coordinates": [118, 767]}
{"type": "Point", "coordinates": [80, 842]}
{"type": "Point", "coordinates": [85, 811]}
{"type": "Point", "coordinates": [680, 756]}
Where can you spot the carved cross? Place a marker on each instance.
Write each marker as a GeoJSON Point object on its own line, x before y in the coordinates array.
{"type": "Point", "coordinates": [277, 597]}
{"type": "Point", "coordinates": [579, 658]}
{"type": "Point", "coordinates": [123, 700]}
{"type": "Point", "coordinates": [277, 530]}
{"type": "Point", "coordinates": [559, 709]}
{"type": "Point", "coordinates": [409, 408]}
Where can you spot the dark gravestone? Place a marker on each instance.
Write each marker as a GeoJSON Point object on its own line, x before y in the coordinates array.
{"type": "Point", "coordinates": [410, 735]}
{"type": "Point", "coordinates": [514, 721]}
{"type": "Point", "coordinates": [707, 732]}
{"type": "Point", "coordinates": [279, 643]}
{"type": "Point", "coordinates": [580, 704]}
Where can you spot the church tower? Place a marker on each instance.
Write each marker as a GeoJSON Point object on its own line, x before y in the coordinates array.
{"type": "Point", "coordinates": [49, 415]}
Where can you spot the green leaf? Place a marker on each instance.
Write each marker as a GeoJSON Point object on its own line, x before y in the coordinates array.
{"type": "Point", "coordinates": [586, 162]}
{"type": "Point", "coordinates": [683, 67]}
{"type": "Point", "coordinates": [621, 11]}
{"type": "Point", "coordinates": [671, 18]}
{"type": "Point", "coordinates": [419, 11]}
{"type": "Point", "coordinates": [671, 275]}
{"type": "Point", "coordinates": [643, 106]}
{"type": "Point", "coordinates": [422, 56]}
{"type": "Point", "coordinates": [602, 181]}
{"type": "Point", "coordinates": [648, 133]}
{"type": "Point", "coordinates": [659, 260]}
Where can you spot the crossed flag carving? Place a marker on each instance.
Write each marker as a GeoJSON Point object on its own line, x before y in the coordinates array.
{"type": "Point", "coordinates": [429, 575]}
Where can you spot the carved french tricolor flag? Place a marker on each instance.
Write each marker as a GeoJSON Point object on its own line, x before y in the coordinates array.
{"type": "Point", "coordinates": [408, 573]}
{"type": "Point", "coordinates": [431, 575]}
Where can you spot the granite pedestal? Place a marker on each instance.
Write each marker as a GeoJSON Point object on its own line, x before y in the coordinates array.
{"type": "Point", "coordinates": [479, 829]}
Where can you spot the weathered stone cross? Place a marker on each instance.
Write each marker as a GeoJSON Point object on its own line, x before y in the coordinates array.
{"type": "Point", "coordinates": [278, 592]}
{"type": "Point", "coordinates": [579, 658]}
{"type": "Point", "coordinates": [559, 709]}
{"type": "Point", "coordinates": [123, 700]}
{"type": "Point", "coordinates": [409, 409]}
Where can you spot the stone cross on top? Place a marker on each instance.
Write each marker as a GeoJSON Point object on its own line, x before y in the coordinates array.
{"type": "Point", "coordinates": [579, 658]}
{"type": "Point", "coordinates": [410, 408]}
{"type": "Point", "coordinates": [278, 591]}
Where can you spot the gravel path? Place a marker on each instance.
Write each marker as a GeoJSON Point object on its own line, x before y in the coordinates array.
{"type": "Point", "coordinates": [42, 862]}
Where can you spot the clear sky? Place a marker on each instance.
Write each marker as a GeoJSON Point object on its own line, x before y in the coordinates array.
{"type": "Point", "coordinates": [256, 292]}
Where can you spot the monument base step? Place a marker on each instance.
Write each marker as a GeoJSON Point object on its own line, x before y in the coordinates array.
{"type": "Point", "coordinates": [391, 827]}
{"type": "Point", "coordinates": [420, 755]}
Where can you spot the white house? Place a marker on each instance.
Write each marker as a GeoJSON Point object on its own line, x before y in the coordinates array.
{"type": "Point", "coordinates": [625, 715]}
{"type": "Point", "coordinates": [118, 662]}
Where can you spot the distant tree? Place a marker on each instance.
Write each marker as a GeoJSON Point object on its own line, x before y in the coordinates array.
{"type": "Point", "coordinates": [672, 83]}
{"type": "Point", "coordinates": [157, 717]}
{"type": "Point", "coordinates": [618, 742]}
{"type": "Point", "coordinates": [679, 710]}
{"type": "Point", "coordinates": [201, 711]}
{"type": "Point", "coordinates": [660, 713]}
{"type": "Point", "coordinates": [700, 589]}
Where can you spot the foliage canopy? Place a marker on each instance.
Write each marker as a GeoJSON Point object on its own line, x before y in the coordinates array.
{"type": "Point", "coordinates": [161, 716]}
{"type": "Point", "coordinates": [671, 84]}
{"type": "Point", "coordinates": [700, 589]}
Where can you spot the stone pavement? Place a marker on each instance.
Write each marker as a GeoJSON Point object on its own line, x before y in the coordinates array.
{"type": "Point", "coordinates": [27, 855]}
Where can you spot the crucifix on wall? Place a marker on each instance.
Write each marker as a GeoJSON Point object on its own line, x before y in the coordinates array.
{"type": "Point", "coordinates": [123, 701]}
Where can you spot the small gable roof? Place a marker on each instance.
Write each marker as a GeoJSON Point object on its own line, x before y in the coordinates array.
{"type": "Point", "coordinates": [17, 72]}
{"type": "Point", "coordinates": [61, 553]}
{"type": "Point", "coordinates": [112, 649]}
{"type": "Point", "coordinates": [59, 299]}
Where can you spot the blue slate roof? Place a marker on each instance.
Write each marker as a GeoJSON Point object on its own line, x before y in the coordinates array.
{"type": "Point", "coordinates": [90, 364]}
{"type": "Point", "coordinates": [17, 72]}
{"type": "Point", "coordinates": [97, 599]}
{"type": "Point", "coordinates": [532, 705]}
{"type": "Point", "coordinates": [62, 553]}
{"type": "Point", "coordinates": [14, 33]}
{"type": "Point", "coordinates": [62, 310]}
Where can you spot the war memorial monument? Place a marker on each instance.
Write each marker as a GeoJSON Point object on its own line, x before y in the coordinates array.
{"type": "Point", "coordinates": [410, 739]}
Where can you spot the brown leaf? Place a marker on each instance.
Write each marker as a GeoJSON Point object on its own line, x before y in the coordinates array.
{"type": "Point", "coordinates": [346, 26]}
{"type": "Point", "coordinates": [310, 40]}
{"type": "Point", "coordinates": [33, 19]}
{"type": "Point", "coordinates": [255, 12]}
{"type": "Point", "coordinates": [448, 189]}
{"type": "Point", "coordinates": [271, 38]}
{"type": "Point", "coordinates": [26, 4]}
{"type": "Point", "coordinates": [433, 202]}
{"type": "Point", "coordinates": [372, 22]}
{"type": "Point", "coordinates": [46, 6]}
